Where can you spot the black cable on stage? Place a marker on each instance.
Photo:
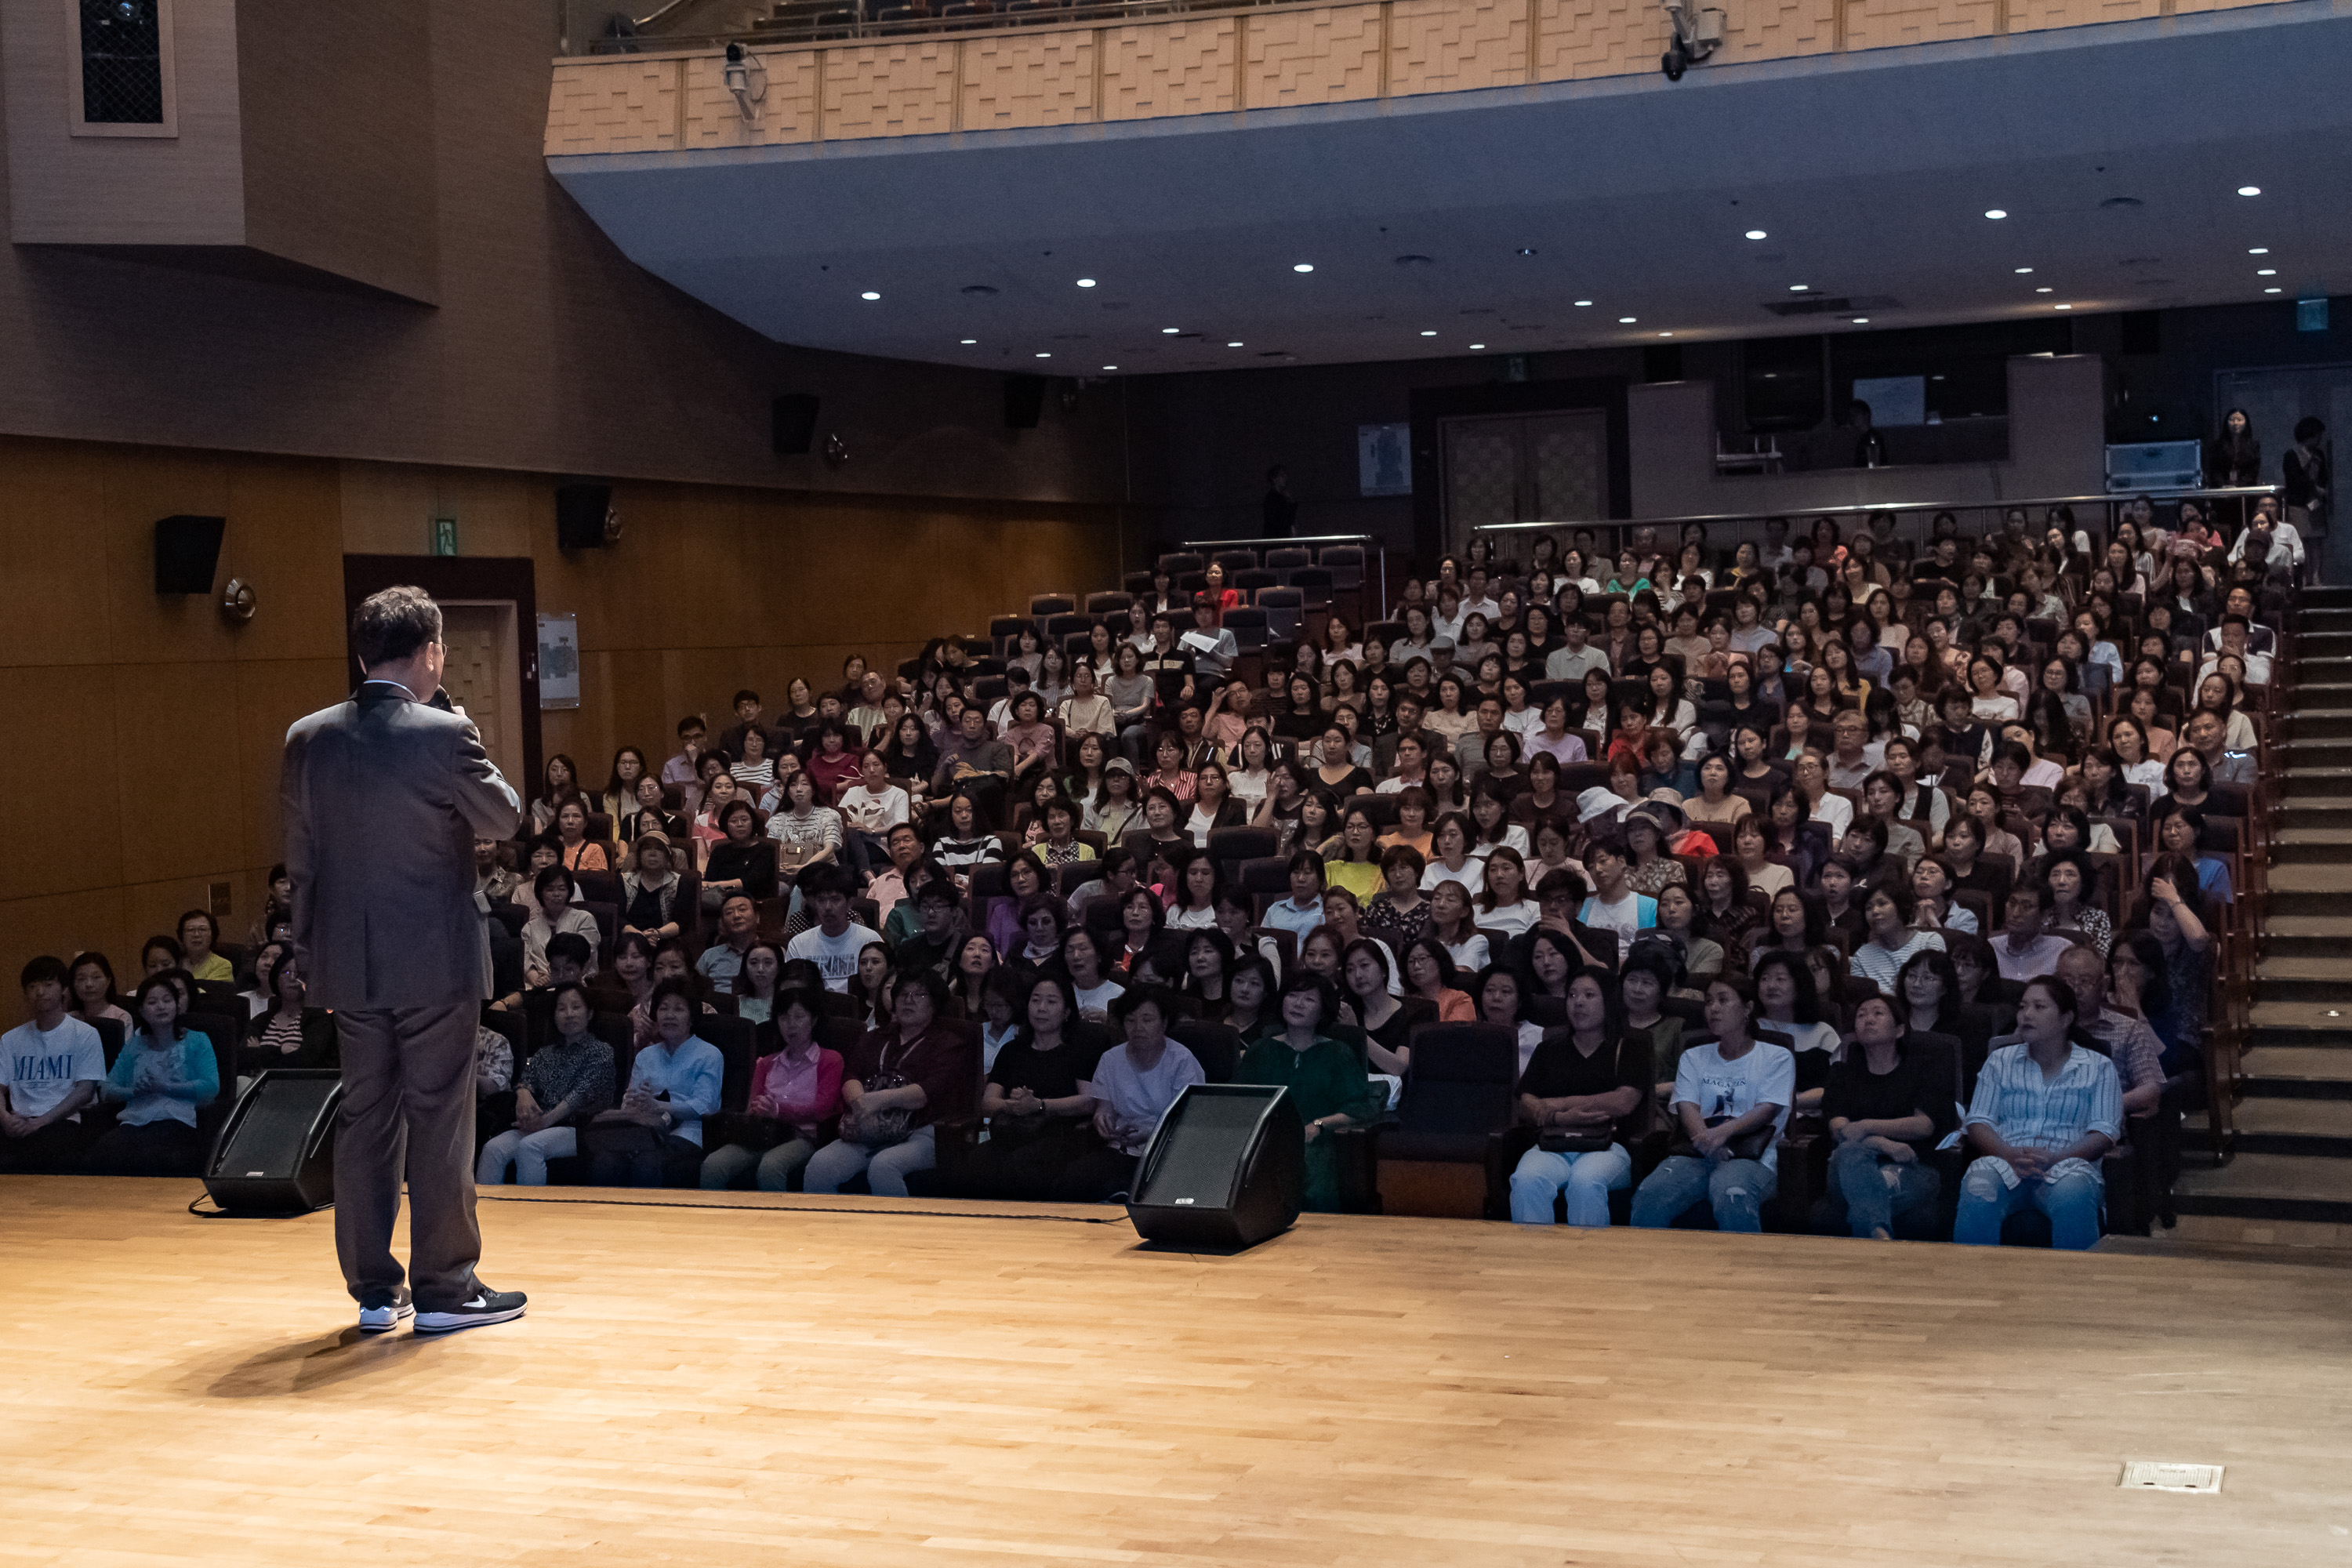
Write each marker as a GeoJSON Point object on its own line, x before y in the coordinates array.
{"type": "Point", "coordinates": [800, 1208]}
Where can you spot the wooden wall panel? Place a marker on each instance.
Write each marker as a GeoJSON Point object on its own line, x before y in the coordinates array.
{"type": "Point", "coordinates": [1447, 45]}
{"type": "Point", "coordinates": [1024, 79]}
{"type": "Point", "coordinates": [1327, 55]}
{"type": "Point", "coordinates": [1169, 67]}
{"type": "Point", "coordinates": [63, 747]}
{"type": "Point", "coordinates": [890, 90]}
{"type": "Point", "coordinates": [1888, 23]}
{"type": "Point", "coordinates": [712, 118]}
{"type": "Point", "coordinates": [162, 724]}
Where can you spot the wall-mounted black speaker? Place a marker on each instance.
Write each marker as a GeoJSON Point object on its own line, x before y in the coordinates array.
{"type": "Point", "coordinates": [1024, 399]}
{"type": "Point", "coordinates": [794, 422]}
{"type": "Point", "coordinates": [1781, 377]}
{"type": "Point", "coordinates": [188, 549]}
{"type": "Point", "coordinates": [2142, 332]}
{"type": "Point", "coordinates": [276, 1153]}
{"type": "Point", "coordinates": [1227, 1168]}
{"type": "Point", "coordinates": [584, 518]}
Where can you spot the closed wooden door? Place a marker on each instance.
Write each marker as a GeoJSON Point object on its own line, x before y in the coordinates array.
{"type": "Point", "coordinates": [480, 678]}
{"type": "Point", "coordinates": [1523, 468]}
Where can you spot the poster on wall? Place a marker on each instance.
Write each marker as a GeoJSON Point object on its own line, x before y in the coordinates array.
{"type": "Point", "coordinates": [1384, 459]}
{"type": "Point", "coordinates": [559, 661]}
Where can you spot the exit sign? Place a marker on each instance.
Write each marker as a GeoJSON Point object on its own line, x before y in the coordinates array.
{"type": "Point", "coordinates": [445, 536]}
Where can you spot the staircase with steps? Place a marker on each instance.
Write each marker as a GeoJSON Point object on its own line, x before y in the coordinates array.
{"type": "Point", "coordinates": [2289, 1154]}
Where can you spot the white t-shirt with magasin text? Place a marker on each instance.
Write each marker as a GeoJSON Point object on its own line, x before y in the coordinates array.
{"type": "Point", "coordinates": [834, 956]}
{"type": "Point", "coordinates": [1765, 1074]}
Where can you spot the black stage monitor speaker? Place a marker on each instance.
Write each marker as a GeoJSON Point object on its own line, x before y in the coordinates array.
{"type": "Point", "coordinates": [795, 423]}
{"type": "Point", "coordinates": [1227, 1168]}
{"type": "Point", "coordinates": [277, 1151]}
{"type": "Point", "coordinates": [583, 517]}
{"type": "Point", "coordinates": [186, 550]}
{"type": "Point", "coordinates": [1024, 399]}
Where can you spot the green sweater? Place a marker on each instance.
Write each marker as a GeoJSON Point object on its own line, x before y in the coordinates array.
{"type": "Point", "coordinates": [1325, 1079]}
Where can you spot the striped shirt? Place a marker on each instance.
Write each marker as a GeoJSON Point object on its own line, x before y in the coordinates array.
{"type": "Point", "coordinates": [2030, 1111]}
{"type": "Point", "coordinates": [1880, 965]}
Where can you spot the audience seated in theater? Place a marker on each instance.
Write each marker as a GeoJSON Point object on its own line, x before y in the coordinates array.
{"type": "Point", "coordinates": [1502, 995]}
{"type": "Point", "coordinates": [738, 925]}
{"type": "Point", "coordinates": [161, 952]}
{"type": "Point", "coordinates": [1302, 910]}
{"type": "Point", "coordinates": [1731, 1099]}
{"type": "Point", "coordinates": [1326, 1079]}
{"type": "Point", "coordinates": [165, 1073]}
{"type": "Point", "coordinates": [288, 1034]}
{"type": "Point", "coordinates": [2126, 1039]}
{"type": "Point", "coordinates": [555, 912]}
{"type": "Point", "coordinates": [95, 995]}
{"type": "Point", "coordinates": [1040, 1112]}
{"type": "Point", "coordinates": [649, 889]}
{"type": "Point", "coordinates": [2046, 1110]}
{"type": "Point", "coordinates": [1585, 1091]}
{"type": "Point", "coordinates": [795, 1097]}
{"type": "Point", "coordinates": [898, 1085]}
{"type": "Point", "coordinates": [1885, 1111]}
{"type": "Point", "coordinates": [742, 862]}
{"type": "Point", "coordinates": [760, 982]}
{"type": "Point", "coordinates": [51, 1069]}
{"type": "Point", "coordinates": [653, 1138]}
{"type": "Point", "coordinates": [198, 933]}
{"type": "Point", "coordinates": [2026, 948]}
{"type": "Point", "coordinates": [565, 1084]}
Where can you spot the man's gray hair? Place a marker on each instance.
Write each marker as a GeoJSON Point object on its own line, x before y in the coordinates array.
{"type": "Point", "coordinates": [391, 626]}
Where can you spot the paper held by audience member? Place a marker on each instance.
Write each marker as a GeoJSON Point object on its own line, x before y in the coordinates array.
{"type": "Point", "coordinates": [1199, 642]}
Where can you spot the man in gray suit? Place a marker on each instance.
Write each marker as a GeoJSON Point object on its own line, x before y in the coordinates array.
{"type": "Point", "coordinates": [384, 797]}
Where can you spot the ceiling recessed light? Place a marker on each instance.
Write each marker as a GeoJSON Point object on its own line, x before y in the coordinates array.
{"type": "Point", "coordinates": [2061, 307]}
{"type": "Point", "coordinates": [969, 342]}
{"type": "Point", "coordinates": [1086, 282]}
{"type": "Point", "coordinates": [1995, 213]}
{"type": "Point", "coordinates": [1234, 345]}
{"type": "Point", "coordinates": [1798, 288]}
{"type": "Point", "coordinates": [2023, 270]}
{"type": "Point", "coordinates": [1862, 321]}
{"type": "Point", "coordinates": [1527, 250]}
{"type": "Point", "coordinates": [1303, 266]}
{"type": "Point", "coordinates": [2042, 290]}
{"type": "Point", "coordinates": [869, 294]}
{"type": "Point", "coordinates": [1167, 331]}
{"type": "Point", "coordinates": [1429, 334]}
{"type": "Point", "coordinates": [1581, 303]}
{"type": "Point", "coordinates": [1625, 320]}
{"type": "Point", "coordinates": [2274, 290]}
{"type": "Point", "coordinates": [1110, 367]}
{"type": "Point", "coordinates": [1477, 345]}
{"type": "Point", "coordinates": [1045, 356]}
{"type": "Point", "coordinates": [2267, 272]}
{"type": "Point", "coordinates": [2260, 250]}
{"type": "Point", "coordinates": [1754, 234]}
{"type": "Point", "coordinates": [2250, 190]}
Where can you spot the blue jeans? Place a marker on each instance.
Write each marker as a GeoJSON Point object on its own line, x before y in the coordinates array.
{"type": "Point", "coordinates": [1858, 1175]}
{"type": "Point", "coordinates": [2072, 1202]}
{"type": "Point", "coordinates": [1590, 1178]}
{"type": "Point", "coordinates": [1735, 1189]}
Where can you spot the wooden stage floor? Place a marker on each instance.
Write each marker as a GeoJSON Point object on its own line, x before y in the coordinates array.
{"type": "Point", "coordinates": [716, 1382]}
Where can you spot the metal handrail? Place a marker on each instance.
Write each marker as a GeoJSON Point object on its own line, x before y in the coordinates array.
{"type": "Point", "coordinates": [1865, 510]}
{"type": "Point", "coordinates": [854, 20]}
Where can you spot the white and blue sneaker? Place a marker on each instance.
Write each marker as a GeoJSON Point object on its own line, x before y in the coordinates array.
{"type": "Point", "coordinates": [383, 1319]}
